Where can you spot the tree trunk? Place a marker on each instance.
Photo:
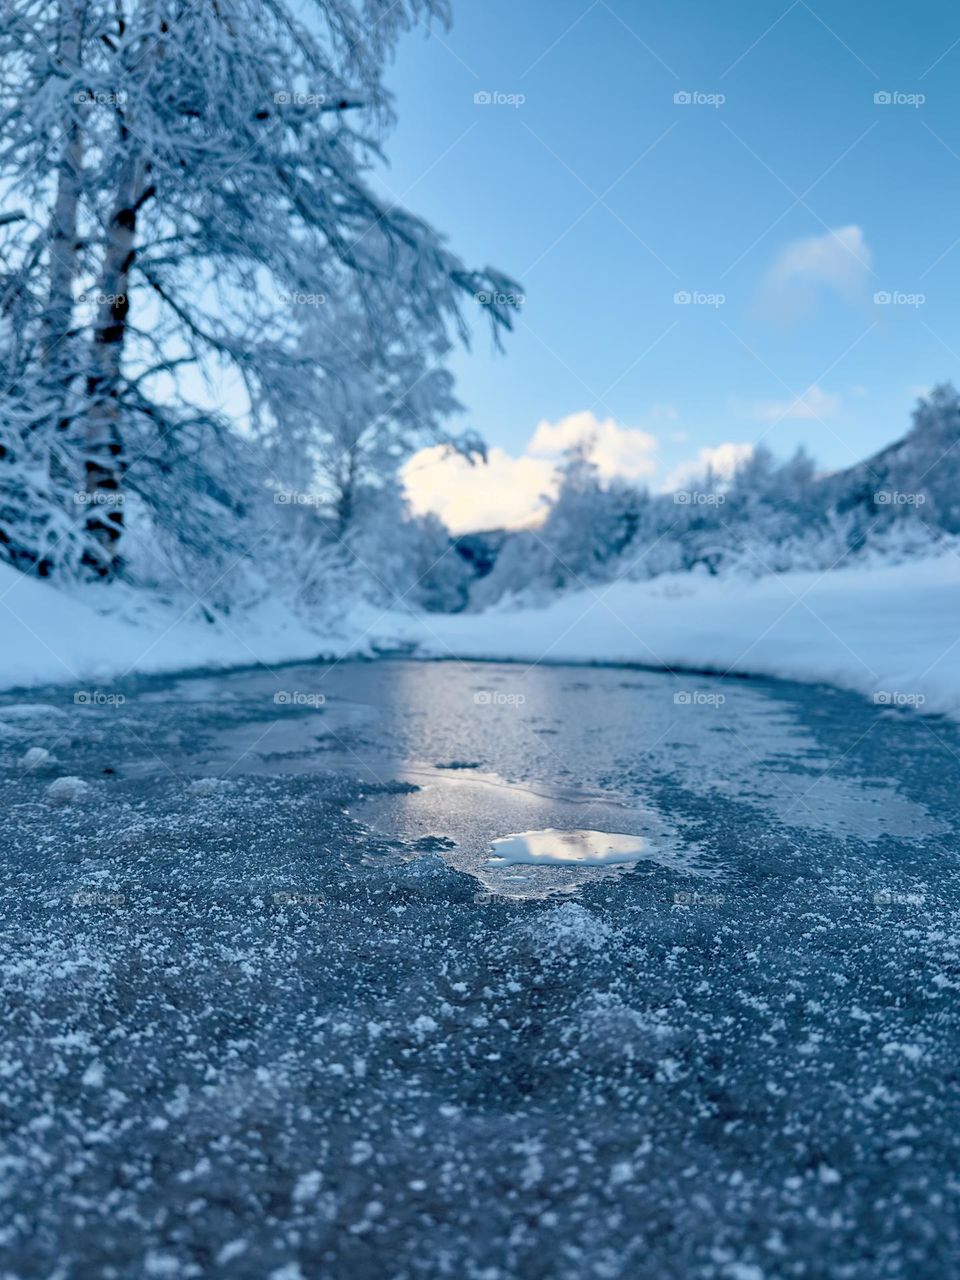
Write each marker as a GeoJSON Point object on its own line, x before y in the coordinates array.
{"type": "Point", "coordinates": [63, 248]}
{"type": "Point", "coordinates": [104, 465]}
{"type": "Point", "coordinates": [346, 494]}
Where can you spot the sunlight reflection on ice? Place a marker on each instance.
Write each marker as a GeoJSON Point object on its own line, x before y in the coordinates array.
{"type": "Point", "coordinates": [551, 847]}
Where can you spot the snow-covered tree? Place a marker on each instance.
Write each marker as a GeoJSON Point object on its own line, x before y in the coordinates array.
{"type": "Point", "coordinates": [369, 391]}
{"type": "Point", "coordinates": [768, 517]}
{"type": "Point", "coordinates": [916, 479]}
{"type": "Point", "coordinates": [184, 167]}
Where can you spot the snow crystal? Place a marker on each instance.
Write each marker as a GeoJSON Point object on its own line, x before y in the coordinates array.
{"type": "Point", "coordinates": [568, 928]}
{"type": "Point", "coordinates": [233, 1249]}
{"type": "Point", "coordinates": [93, 1077]}
{"type": "Point", "coordinates": [290, 1272]}
{"type": "Point", "coordinates": [423, 1026]}
{"type": "Point", "coordinates": [209, 786]}
{"type": "Point", "coordinates": [69, 790]}
{"type": "Point", "coordinates": [307, 1186]}
{"type": "Point", "coordinates": [743, 1271]}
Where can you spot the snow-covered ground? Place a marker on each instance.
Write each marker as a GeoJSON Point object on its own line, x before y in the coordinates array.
{"type": "Point", "coordinates": [51, 636]}
{"type": "Point", "coordinates": [891, 633]}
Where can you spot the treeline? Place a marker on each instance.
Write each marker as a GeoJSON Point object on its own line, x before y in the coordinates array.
{"type": "Point", "coordinates": [770, 516]}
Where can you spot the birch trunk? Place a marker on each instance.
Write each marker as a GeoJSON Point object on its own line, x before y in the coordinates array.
{"type": "Point", "coordinates": [104, 465]}
{"type": "Point", "coordinates": [63, 249]}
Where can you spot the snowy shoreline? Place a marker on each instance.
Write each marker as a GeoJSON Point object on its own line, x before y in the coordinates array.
{"type": "Point", "coordinates": [890, 633]}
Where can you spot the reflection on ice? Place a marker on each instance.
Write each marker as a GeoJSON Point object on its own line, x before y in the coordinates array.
{"type": "Point", "coordinates": [551, 847]}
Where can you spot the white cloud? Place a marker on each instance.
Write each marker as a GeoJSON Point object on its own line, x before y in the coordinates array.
{"type": "Point", "coordinates": [511, 492]}
{"type": "Point", "coordinates": [814, 404]}
{"type": "Point", "coordinates": [506, 492]}
{"type": "Point", "coordinates": [722, 460]}
{"type": "Point", "coordinates": [616, 450]}
{"type": "Point", "coordinates": [839, 261]}
{"type": "Point", "coordinates": [502, 493]}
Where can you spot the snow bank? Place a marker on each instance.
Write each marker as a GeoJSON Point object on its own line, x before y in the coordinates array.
{"type": "Point", "coordinates": [892, 633]}
{"type": "Point", "coordinates": [54, 636]}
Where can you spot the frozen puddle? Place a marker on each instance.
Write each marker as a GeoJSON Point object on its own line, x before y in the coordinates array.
{"type": "Point", "coordinates": [537, 864]}
{"type": "Point", "coordinates": [551, 847]}
{"type": "Point", "coordinates": [551, 860]}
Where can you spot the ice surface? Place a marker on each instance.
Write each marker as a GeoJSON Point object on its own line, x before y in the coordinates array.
{"type": "Point", "coordinates": [886, 631]}
{"type": "Point", "coordinates": [288, 1033]}
{"type": "Point", "coordinates": [553, 847]}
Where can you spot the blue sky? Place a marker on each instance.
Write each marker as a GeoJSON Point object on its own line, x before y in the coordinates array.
{"type": "Point", "coordinates": [797, 199]}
